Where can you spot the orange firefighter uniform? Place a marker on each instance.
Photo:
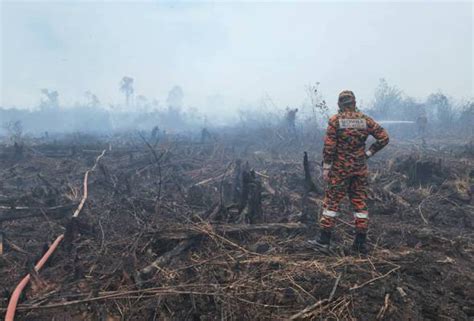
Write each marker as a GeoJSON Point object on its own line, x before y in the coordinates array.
{"type": "Point", "coordinates": [345, 162]}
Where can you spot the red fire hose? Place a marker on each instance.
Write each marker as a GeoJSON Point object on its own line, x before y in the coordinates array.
{"type": "Point", "coordinates": [19, 288]}
{"type": "Point", "coordinates": [11, 309]}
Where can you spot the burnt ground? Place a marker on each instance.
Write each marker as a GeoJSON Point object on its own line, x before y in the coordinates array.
{"type": "Point", "coordinates": [183, 230]}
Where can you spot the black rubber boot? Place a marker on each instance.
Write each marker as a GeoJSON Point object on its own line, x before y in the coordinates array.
{"type": "Point", "coordinates": [324, 240]}
{"type": "Point", "coordinates": [325, 237]}
{"type": "Point", "coordinates": [359, 243]}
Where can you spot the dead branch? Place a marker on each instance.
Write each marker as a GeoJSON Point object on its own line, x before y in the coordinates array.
{"type": "Point", "coordinates": [355, 287]}
{"type": "Point", "coordinates": [13, 214]}
{"type": "Point", "coordinates": [164, 259]}
{"type": "Point", "coordinates": [384, 308]}
{"type": "Point", "coordinates": [191, 231]}
{"type": "Point", "coordinates": [309, 309]}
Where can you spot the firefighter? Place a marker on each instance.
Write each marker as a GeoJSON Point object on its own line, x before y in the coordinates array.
{"type": "Point", "coordinates": [422, 124]}
{"type": "Point", "coordinates": [290, 119]}
{"type": "Point", "coordinates": [345, 168]}
{"type": "Point", "coordinates": [205, 135]}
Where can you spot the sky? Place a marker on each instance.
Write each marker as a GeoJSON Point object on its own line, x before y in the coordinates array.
{"type": "Point", "coordinates": [228, 54]}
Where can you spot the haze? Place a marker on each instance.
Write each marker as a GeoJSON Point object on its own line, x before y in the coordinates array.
{"type": "Point", "coordinates": [225, 55]}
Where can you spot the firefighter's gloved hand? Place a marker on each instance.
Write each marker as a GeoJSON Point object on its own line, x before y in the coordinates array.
{"type": "Point", "coordinates": [326, 175]}
{"type": "Point", "coordinates": [326, 170]}
{"type": "Point", "coordinates": [368, 154]}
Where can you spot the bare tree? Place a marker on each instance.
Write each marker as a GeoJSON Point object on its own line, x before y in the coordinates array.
{"type": "Point", "coordinates": [52, 98]}
{"type": "Point", "coordinates": [388, 99]}
{"type": "Point", "coordinates": [126, 86]}
{"type": "Point", "coordinates": [443, 109]}
{"type": "Point", "coordinates": [92, 100]}
{"type": "Point", "coordinates": [466, 119]}
{"type": "Point", "coordinates": [319, 106]}
{"type": "Point", "coordinates": [15, 131]}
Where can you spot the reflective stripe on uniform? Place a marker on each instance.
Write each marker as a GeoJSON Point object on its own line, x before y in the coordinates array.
{"type": "Point", "coordinates": [329, 213]}
{"type": "Point", "coordinates": [361, 215]}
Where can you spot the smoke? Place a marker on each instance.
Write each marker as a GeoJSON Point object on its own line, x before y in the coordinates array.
{"type": "Point", "coordinates": [192, 65]}
{"type": "Point", "coordinates": [390, 105]}
{"type": "Point", "coordinates": [236, 50]}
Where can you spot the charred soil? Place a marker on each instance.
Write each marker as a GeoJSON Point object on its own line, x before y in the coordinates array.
{"type": "Point", "coordinates": [181, 230]}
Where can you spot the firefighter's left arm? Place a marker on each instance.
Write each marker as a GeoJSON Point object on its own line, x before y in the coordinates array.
{"type": "Point", "coordinates": [379, 133]}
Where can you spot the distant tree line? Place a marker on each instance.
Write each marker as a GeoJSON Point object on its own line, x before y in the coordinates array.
{"type": "Point", "coordinates": [92, 116]}
{"type": "Point", "coordinates": [443, 114]}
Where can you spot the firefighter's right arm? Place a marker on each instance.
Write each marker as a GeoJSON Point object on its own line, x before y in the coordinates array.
{"type": "Point", "coordinates": [330, 143]}
{"type": "Point", "coordinates": [380, 134]}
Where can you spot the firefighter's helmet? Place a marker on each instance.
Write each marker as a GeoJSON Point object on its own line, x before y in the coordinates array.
{"type": "Point", "coordinates": [346, 98]}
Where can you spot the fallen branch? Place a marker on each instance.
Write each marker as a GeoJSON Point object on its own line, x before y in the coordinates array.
{"type": "Point", "coordinates": [319, 303]}
{"type": "Point", "coordinates": [308, 309]}
{"type": "Point", "coordinates": [209, 180]}
{"type": "Point", "coordinates": [147, 272]}
{"type": "Point", "coordinates": [19, 213]}
{"type": "Point", "coordinates": [191, 231]}
{"type": "Point", "coordinates": [331, 296]}
{"type": "Point", "coordinates": [355, 287]}
{"type": "Point", "coordinates": [143, 293]}
{"type": "Point", "coordinates": [384, 308]}
{"type": "Point", "coordinates": [421, 213]}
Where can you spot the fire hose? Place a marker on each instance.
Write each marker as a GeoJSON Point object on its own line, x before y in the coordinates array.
{"type": "Point", "coordinates": [11, 309]}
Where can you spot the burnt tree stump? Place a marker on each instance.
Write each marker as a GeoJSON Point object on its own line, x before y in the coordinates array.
{"type": "Point", "coordinates": [250, 206]}
{"type": "Point", "coordinates": [307, 215]}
